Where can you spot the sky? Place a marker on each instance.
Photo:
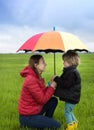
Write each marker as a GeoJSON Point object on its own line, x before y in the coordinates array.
{"type": "Point", "coordinates": [21, 19]}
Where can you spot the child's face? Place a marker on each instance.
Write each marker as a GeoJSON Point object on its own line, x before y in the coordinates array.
{"type": "Point", "coordinates": [41, 66]}
{"type": "Point", "coordinates": [66, 64]}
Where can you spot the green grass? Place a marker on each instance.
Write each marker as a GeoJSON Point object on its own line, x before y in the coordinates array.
{"type": "Point", "coordinates": [10, 86]}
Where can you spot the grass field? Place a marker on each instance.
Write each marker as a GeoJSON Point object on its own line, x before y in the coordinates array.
{"type": "Point", "coordinates": [10, 86]}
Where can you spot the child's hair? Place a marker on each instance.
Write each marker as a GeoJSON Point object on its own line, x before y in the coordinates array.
{"type": "Point", "coordinates": [34, 59]}
{"type": "Point", "coordinates": [71, 57]}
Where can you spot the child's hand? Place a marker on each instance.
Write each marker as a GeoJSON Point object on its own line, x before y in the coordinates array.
{"type": "Point", "coordinates": [52, 79]}
{"type": "Point", "coordinates": [54, 84]}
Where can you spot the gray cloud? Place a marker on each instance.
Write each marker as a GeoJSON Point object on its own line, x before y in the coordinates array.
{"type": "Point", "coordinates": [69, 14]}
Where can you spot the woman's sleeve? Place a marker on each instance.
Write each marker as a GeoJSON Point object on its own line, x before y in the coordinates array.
{"type": "Point", "coordinates": [40, 95]}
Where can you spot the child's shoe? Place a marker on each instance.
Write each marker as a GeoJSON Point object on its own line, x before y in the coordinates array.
{"type": "Point", "coordinates": [75, 124]}
{"type": "Point", "coordinates": [70, 127]}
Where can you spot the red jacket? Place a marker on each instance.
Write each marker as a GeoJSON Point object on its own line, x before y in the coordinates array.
{"type": "Point", "coordinates": [34, 93]}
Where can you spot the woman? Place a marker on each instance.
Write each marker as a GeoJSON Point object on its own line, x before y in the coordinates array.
{"type": "Point", "coordinates": [36, 104]}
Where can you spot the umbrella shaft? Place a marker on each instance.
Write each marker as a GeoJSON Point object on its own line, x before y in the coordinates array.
{"type": "Point", "coordinates": [54, 65]}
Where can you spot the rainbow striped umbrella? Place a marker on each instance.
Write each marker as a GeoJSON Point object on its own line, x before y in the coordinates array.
{"type": "Point", "coordinates": [53, 42]}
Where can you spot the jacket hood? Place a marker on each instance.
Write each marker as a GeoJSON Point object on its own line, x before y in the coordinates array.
{"type": "Point", "coordinates": [27, 71]}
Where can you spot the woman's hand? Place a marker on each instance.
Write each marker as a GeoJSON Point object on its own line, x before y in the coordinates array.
{"type": "Point", "coordinates": [53, 84]}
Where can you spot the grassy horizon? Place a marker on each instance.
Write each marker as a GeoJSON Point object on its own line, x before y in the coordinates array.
{"type": "Point", "coordinates": [10, 86]}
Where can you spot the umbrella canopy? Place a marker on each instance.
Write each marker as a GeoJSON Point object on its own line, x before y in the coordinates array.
{"type": "Point", "coordinates": [53, 42]}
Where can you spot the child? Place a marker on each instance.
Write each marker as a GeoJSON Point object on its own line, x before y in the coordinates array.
{"type": "Point", "coordinates": [36, 105]}
{"type": "Point", "coordinates": [69, 87]}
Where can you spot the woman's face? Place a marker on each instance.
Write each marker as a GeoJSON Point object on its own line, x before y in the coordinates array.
{"type": "Point", "coordinates": [41, 66]}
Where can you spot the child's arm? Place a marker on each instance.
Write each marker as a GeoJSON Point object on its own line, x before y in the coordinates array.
{"type": "Point", "coordinates": [66, 82]}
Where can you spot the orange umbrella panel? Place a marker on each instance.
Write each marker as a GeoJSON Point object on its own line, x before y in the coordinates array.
{"type": "Point", "coordinates": [50, 41]}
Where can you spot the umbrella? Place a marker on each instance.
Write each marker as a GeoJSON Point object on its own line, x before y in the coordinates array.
{"type": "Point", "coordinates": [53, 42]}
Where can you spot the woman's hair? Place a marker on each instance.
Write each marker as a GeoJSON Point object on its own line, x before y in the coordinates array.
{"type": "Point", "coordinates": [34, 59]}
{"type": "Point", "coordinates": [71, 57]}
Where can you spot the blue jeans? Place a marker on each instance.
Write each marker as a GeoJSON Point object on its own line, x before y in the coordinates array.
{"type": "Point", "coordinates": [68, 113]}
{"type": "Point", "coordinates": [43, 119]}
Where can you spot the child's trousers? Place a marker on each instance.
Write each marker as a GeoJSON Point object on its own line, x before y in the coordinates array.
{"type": "Point", "coordinates": [68, 113]}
